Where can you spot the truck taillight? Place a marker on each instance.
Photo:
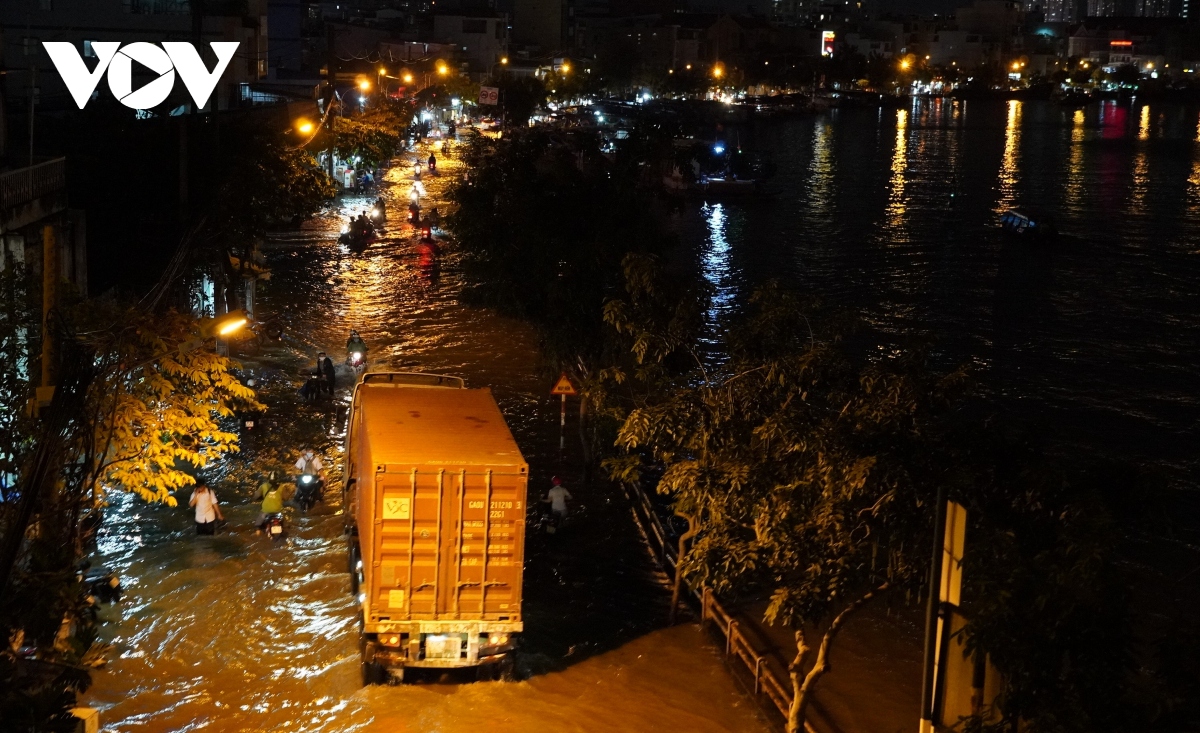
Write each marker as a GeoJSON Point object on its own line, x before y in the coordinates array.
{"type": "Point", "coordinates": [497, 639]}
{"type": "Point", "coordinates": [393, 640]}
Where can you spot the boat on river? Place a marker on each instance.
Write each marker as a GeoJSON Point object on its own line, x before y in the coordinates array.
{"type": "Point", "coordinates": [1028, 224]}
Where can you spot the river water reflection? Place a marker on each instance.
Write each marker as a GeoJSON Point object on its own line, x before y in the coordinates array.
{"type": "Point", "coordinates": [893, 213]}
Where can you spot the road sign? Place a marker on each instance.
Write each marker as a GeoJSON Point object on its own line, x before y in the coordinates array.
{"type": "Point", "coordinates": [489, 95]}
{"type": "Point", "coordinates": [563, 386]}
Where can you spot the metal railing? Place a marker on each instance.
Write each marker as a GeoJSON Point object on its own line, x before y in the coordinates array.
{"type": "Point", "coordinates": [27, 184]}
{"type": "Point", "coordinates": [768, 680]}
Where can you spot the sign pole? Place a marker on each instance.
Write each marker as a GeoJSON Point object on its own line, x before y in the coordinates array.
{"type": "Point", "coordinates": [562, 425]}
{"type": "Point", "coordinates": [562, 387]}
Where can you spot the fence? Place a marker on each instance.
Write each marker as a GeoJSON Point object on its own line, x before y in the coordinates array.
{"type": "Point", "coordinates": [738, 645]}
{"type": "Point", "coordinates": [27, 184]}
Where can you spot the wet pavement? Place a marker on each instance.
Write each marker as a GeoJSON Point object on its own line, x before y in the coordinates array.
{"type": "Point", "coordinates": [236, 633]}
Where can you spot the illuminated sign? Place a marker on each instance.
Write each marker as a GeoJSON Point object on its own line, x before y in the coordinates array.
{"type": "Point", "coordinates": [827, 43]}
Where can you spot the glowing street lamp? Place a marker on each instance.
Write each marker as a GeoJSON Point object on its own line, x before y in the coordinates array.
{"type": "Point", "coordinates": [443, 69]}
{"type": "Point", "coordinates": [905, 64]}
{"type": "Point", "coordinates": [230, 323]}
{"type": "Point", "coordinates": [364, 85]}
{"type": "Point", "coordinates": [217, 328]}
{"type": "Point", "coordinates": [504, 60]}
{"type": "Point", "coordinates": [566, 68]}
{"type": "Point", "coordinates": [718, 72]}
{"type": "Point", "coordinates": [304, 127]}
{"type": "Point", "coordinates": [408, 78]}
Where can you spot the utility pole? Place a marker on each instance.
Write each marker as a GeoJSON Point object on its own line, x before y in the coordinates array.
{"type": "Point", "coordinates": [330, 78]}
{"type": "Point", "coordinates": [33, 98]}
{"type": "Point", "coordinates": [932, 612]}
{"type": "Point", "coordinates": [49, 301]}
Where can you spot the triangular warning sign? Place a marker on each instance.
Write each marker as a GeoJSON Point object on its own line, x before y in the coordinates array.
{"type": "Point", "coordinates": [563, 386]}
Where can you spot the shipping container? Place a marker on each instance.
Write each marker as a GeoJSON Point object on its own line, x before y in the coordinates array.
{"type": "Point", "coordinates": [435, 502]}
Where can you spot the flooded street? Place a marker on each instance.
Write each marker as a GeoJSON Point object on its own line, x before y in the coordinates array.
{"type": "Point", "coordinates": [234, 633]}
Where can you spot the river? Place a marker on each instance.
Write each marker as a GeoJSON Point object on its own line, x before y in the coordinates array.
{"type": "Point", "coordinates": [233, 633]}
{"type": "Point", "coordinates": [892, 214]}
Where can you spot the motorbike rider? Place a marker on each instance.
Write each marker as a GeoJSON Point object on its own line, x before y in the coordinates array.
{"type": "Point", "coordinates": [271, 495]}
{"type": "Point", "coordinates": [355, 344]}
{"type": "Point", "coordinates": [381, 205]}
{"type": "Point", "coordinates": [309, 465]}
{"type": "Point", "coordinates": [432, 163]}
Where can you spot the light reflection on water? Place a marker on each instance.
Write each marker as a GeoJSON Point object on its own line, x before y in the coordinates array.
{"type": "Point", "coordinates": [1097, 337]}
{"type": "Point", "coordinates": [234, 633]}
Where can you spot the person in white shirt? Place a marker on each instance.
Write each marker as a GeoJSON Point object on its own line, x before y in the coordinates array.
{"type": "Point", "coordinates": [310, 464]}
{"type": "Point", "coordinates": [310, 492]}
{"type": "Point", "coordinates": [208, 511]}
{"type": "Point", "coordinates": [557, 496]}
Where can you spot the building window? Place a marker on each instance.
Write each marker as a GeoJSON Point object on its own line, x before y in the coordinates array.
{"type": "Point", "coordinates": [88, 51]}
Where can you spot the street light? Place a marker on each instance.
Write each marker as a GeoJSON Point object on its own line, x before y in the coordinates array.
{"type": "Point", "coordinates": [566, 67]}
{"type": "Point", "coordinates": [304, 127]}
{"type": "Point", "coordinates": [364, 85]}
{"type": "Point", "coordinates": [408, 78]}
{"type": "Point", "coordinates": [718, 72]}
{"type": "Point", "coordinates": [905, 64]}
{"type": "Point", "coordinates": [230, 323]}
{"type": "Point", "coordinates": [215, 328]}
{"type": "Point", "coordinates": [504, 60]}
{"type": "Point", "coordinates": [443, 69]}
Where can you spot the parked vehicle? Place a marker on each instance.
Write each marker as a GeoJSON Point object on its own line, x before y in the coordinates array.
{"type": "Point", "coordinates": [436, 502]}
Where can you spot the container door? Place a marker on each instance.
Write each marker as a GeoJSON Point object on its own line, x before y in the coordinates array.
{"type": "Point", "coordinates": [407, 545]}
{"type": "Point", "coordinates": [501, 598]}
{"type": "Point", "coordinates": [483, 577]}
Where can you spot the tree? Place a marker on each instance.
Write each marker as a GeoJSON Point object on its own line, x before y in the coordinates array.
{"type": "Point", "coordinates": [374, 136]}
{"type": "Point", "coordinates": [520, 97]}
{"type": "Point", "coordinates": [157, 410]}
{"type": "Point", "coordinates": [546, 223]}
{"type": "Point", "coordinates": [1043, 593]}
{"type": "Point", "coordinates": [137, 407]}
{"type": "Point", "coordinates": [812, 478]}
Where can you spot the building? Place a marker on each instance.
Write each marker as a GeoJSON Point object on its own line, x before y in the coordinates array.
{"type": "Point", "coordinates": [34, 198]}
{"type": "Point", "coordinates": [545, 24]}
{"type": "Point", "coordinates": [480, 39]}
{"type": "Point", "coordinates": [1064, 11]}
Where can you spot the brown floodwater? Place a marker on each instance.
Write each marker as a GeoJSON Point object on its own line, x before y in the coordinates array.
{"type": "Point", "coordinates": [234, 633]}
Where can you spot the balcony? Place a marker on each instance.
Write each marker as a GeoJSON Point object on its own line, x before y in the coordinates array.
{"type": "Point", "coordinates": [33, 193]}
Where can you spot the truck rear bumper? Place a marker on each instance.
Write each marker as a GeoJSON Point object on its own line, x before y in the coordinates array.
{"type": "Point", "coordinates": [440, 644]}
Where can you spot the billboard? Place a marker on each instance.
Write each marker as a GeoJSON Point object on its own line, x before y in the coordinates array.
{"type": "Point", "coordinates": [827, 43]}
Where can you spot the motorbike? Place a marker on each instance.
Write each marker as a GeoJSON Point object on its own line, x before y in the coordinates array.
{"type": "Point", "coordinates": [308, 491]}
{"type": "Point", "coordinates": [274, 527]}
{"type": "Point", "coordinates": [356, 239]}
{"type": "Point", "coordinates": [378, 215]}
{"type": "Point", "coordinates": [357, 361]}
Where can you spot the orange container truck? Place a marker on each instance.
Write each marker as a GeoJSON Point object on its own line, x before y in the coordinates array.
{"type": "Point", "coordinates": [435, 498]}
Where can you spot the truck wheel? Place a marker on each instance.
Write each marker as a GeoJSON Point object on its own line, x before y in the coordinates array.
{"type": "Point", "coordinates": [353, 553]}
{"type": "Point", "coordinates": [507, 669]}
{"type": "Point", "coordinates": [372, 673]}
